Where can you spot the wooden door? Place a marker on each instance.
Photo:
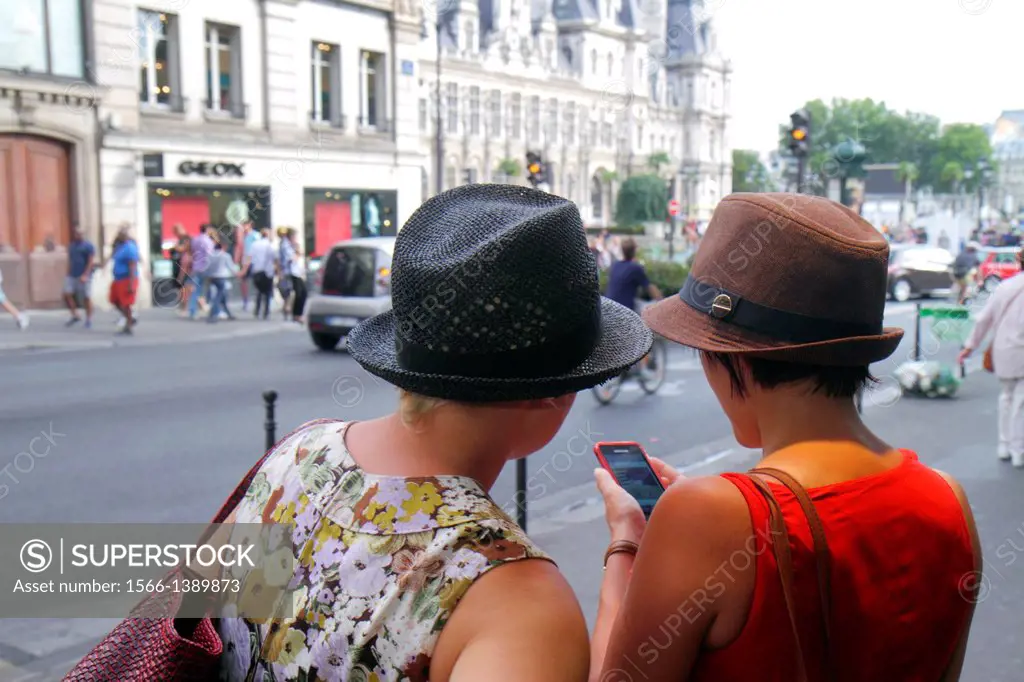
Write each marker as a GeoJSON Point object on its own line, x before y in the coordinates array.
{"type": "Point", "coordinates": [35, 220]}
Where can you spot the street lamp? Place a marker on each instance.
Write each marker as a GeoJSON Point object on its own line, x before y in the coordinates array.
{"type": "Point", "coordinates": [849, 157]}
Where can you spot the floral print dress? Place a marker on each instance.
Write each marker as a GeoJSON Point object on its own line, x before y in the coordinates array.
{"type": "Point", "coordinates": [380, 564]}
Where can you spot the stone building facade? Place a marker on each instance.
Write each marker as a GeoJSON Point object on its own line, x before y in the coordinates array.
{"type": "Point", "coordinates": [595, 86]}
{"type": "Point", "coordinates": [321, 115]}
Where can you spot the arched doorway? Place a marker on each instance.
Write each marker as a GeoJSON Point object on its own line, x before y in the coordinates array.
{"type": "Point", "coordinates": [596, 199]}
{"type": "Point", "coordinates": [35, 218]}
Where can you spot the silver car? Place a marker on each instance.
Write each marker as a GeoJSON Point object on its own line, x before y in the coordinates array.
{"type": "Point", "coordinates": [352, 284]}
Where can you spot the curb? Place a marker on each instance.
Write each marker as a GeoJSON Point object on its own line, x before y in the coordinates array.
{"type": "Point", "coordinates": [56, 345]}
{"type": "Point", "coordinates": [69, 346]}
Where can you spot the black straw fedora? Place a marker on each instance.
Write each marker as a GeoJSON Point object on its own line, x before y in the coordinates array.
{"type": "Point", "coordinates": [495, 298]}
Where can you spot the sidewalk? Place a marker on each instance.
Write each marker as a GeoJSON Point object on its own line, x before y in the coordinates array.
{"type": "Point", "coordinates": [957, 436]}
{"type": "Point", "coordinates": [156, 326]}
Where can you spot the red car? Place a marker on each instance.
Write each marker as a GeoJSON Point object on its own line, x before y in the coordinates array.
{"type": "Point", "coordinates": [997, 264]}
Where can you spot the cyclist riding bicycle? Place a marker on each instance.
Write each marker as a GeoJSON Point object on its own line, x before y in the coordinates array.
{"type": "Point", "coordinates": [626, 277]}
{"type": "Point", "coordinates": [964, 267]}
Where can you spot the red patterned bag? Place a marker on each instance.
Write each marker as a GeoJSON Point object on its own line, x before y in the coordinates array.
{"type": "Point", "coordinates": [148, 646]}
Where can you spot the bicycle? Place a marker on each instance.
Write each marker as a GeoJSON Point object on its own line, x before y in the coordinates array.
{"type": "Point", "coordinates": [649, 372]}
{"type": "Point", "coordinates": [966, 289]}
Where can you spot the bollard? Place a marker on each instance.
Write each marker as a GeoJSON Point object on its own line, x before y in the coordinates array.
{"type": "Point", "coordinates": [917, 334]}
{"type": "Point", "coordinates": [269, 398]}
{"type": "Point", "coordinates": [521, 492]}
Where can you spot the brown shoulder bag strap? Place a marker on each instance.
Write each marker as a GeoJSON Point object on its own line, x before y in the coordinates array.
{"type": "Point", "coordinates": [821, 552]}
{"type": "Point", "coordinates": [780, 547]}
{"type": "Point", "coordinates": [784, 560]}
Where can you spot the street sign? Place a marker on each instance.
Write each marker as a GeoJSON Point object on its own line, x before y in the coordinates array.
{"type": "Point", "coordinates": [673, 207]}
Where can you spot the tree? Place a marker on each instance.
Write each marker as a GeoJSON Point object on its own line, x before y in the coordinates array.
{"type": "Point", "coordinates": [963, 147]}
{"type": "Point", "coordinates": [951, 175]}
{"type": "Point", "coordinates": [656, 160]}
{"type": "Point", "coordinates": [887, 136]}
{"type": "Point", "coordinates": [749, 174]}
{"type": "Point", "coordinates": [642, 198]}
{"type": "Point", "coordinates": [907, 173]}
{"type": "Point", "coordinates": [509, 168]}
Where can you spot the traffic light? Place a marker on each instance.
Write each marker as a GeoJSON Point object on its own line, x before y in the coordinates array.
{"type": "Point", "coordinates": [800, 132]}
{"type": "Point", "coordinates": [536, 170]}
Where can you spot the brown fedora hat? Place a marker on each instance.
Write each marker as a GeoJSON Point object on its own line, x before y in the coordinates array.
{"type": "Point", "coordinates": [785, 277]}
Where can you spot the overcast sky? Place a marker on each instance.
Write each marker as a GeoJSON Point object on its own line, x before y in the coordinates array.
{"type": "Point", "coordinates": [960, 60]}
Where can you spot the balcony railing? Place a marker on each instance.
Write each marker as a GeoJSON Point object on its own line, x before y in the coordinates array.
{"type": "Point", "coordinates": [336, 121]}
{"type": "Point", "coordinates": [233, 109]}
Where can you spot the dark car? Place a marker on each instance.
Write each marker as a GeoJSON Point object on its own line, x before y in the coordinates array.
{"type": "Point", "coordinates": [919, 271]}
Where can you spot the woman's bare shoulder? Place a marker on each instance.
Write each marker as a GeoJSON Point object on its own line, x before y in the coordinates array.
{"type": "Point", "coordinates": [709, 510]}
{"type": "Point", "coordinates": [523, 613]}
{"type": "Point", "coordinates": [704, 496]}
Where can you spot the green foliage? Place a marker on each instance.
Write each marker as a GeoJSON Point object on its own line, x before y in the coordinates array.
{"type": "Point", "coordinates": [656, 160]}
{"type": "Point", "coordinates": [951, 174]}
{"type": "Point", "coordinates": [749, 174]}
{"type": "Point", "coordinates": [607, 176]}
{"type": "Point", "coordinates": [887, 136]}
{"type": "Point", "coordinates": [914, 139]}
{"type": "Point", "coordinates": [510, 167]}
{"type": "Point", "coordinates": [642, 198]}
{"type": "Point", "coordinates": [908, 172]}
{"type": "Point", "coordinates": [665, 275]}
{"type": "Point", "coordinates": [963, 145]}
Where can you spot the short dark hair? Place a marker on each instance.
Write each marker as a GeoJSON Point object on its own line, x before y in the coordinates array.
{"type": "Point", "coordinates": [629, 248]}
{"type": "Point", "coordinates": [834, 382]}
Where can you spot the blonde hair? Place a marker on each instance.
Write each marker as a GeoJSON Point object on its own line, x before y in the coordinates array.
{"type": "Point", "coordinates": [412, 406]}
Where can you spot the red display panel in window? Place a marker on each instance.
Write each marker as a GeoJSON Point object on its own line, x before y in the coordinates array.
{"type": "Point", "coordinates": [333, 224]}
{"type": "Point", "coordinates": [191, 212]}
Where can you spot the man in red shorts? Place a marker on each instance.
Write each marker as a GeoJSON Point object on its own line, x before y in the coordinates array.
{"type": "Point", "coordinates": [126, 278]}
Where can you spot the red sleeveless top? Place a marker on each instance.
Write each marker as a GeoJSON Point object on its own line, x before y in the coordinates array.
{"type": "Point", "coordinates": [900, 548]}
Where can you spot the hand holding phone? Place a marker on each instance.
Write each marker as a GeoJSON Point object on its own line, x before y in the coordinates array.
{"type": "Point", "coordinates": [630, 467]}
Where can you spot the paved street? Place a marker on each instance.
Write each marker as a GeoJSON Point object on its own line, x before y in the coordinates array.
{"type": "Point", "coordinates": [160, 427]}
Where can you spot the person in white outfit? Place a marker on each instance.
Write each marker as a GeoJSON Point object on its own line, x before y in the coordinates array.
{"type": "Point", "coordinates": [19, 317]}
{"type": "Point", "coordinates": [1004, 317]}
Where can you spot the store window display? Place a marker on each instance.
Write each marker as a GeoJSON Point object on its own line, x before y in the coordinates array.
{"type": "Point", "coordinates": [192, 206]}
{"type": "Point", "coordinates": [335, 215]}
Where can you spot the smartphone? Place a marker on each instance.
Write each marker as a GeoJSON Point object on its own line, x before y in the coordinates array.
{"type": "Point", "coordinates": [628, 464]}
